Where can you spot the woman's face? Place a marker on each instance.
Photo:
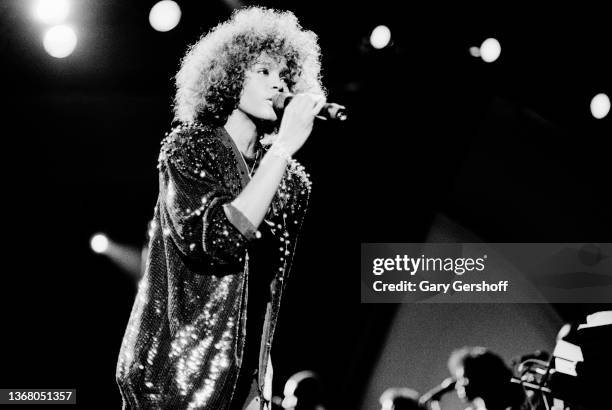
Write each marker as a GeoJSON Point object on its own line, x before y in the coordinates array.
{"type": "Point", "coordinates": [262, 82]}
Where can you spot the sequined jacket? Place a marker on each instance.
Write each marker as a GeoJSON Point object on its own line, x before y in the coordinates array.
{"type": "Point", "coordinates": [184, 342]}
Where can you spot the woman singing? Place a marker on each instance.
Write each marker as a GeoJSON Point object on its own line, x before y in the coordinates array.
{"type": "Point", "coordinates": [230, 207]}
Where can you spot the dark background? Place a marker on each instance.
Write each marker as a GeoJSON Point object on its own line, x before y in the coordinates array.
{"type": "Point", "coordinates": [508, 151]}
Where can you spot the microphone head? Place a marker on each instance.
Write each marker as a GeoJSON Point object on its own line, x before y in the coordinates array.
{"type": "Point", "coordinates": [280, 101]}
{"type": "Point", "coordinates": [336, 111]}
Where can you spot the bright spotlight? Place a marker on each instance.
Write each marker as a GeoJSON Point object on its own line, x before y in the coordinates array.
{"type": "Point", "coordinates": [475, 51]}
{"type": "Point", "coordinates": [99, 243]}
{"type": "Point", "coordinates": [600, 106]}
{"type": "Point", "coordinates": [60, 41]}
{"type": "Point", "coordinates": [490, 49]}
{"type": "Point", "coordinates": [165, 15]}
{"type": "Point", "coordinates": [380, 37]}
{"type": "Point", "coordinates": [51, 11]}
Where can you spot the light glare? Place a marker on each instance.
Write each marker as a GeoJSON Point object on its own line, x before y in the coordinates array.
{"type": "Point", "coordinates": [380, 37]}
{"type": "Point", "coordinates": [165, 15]}
{"type": "Point", "coordinates": [475, 51]}
{"type": "Point", "coordinates": [60, 41]}
{"type": "Point", "coordinates": [600, 106]}
{"type": "Point", "coordinates": [99, 243]}
{"type": "Point", "coordinates": [490, 49]}
{"type": "Point", "coordinates": [51, 11]}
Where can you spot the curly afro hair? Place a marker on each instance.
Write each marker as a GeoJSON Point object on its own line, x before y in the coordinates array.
{"type": "Point", "coordinates": [211, 77]}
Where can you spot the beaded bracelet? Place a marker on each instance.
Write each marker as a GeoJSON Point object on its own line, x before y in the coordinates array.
{"type": "Point", "coordinates": [278, 149]}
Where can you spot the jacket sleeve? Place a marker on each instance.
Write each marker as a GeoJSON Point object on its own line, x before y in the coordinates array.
{"type": "Point", "coordinates": [195, 200]}
{"type": "Point", "coordinates": [297, 187]}
{"type": "Point", "coordinates": [283, 222]}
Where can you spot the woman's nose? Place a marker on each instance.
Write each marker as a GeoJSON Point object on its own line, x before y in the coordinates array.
{"type": "Point", "coordinates": [277, 81]}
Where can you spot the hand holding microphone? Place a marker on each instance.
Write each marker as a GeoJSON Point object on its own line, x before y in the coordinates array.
{"type": "Point", "coordinates": [298, 114]}
{"type": "Point", "coordinates": [296, 124]}
{"type": "Point", "coordinates": [329, 111]}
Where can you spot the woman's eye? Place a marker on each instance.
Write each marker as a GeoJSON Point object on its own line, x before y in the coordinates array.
{"type": "Point", "coordinates": [264, 71]}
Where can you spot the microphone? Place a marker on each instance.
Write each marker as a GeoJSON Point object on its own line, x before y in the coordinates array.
{"type": "Point", "coordinates": [330, 111]}
{"type": "Point", "coordinates": [437, 392]}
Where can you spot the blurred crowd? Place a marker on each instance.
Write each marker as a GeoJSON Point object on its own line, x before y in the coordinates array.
{"type": "Point", "coordinates": [569, 378]}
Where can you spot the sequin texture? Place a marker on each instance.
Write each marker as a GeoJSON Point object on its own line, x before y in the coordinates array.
{"type": "Point", "coordinates": [184, 341]}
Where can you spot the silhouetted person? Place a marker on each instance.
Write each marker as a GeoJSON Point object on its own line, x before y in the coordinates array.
{"type": "Point", "coordinates": [484, 380]}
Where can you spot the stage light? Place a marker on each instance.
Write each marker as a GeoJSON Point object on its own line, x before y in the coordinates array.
{"type": "Point", "coordinates": [490, 49]}
{"type": "Point", "coordinates": [380, 37]}
{"type": "Point", "coordinates": [99, 243]}
{"type": "Point", "coordinates": [60, 41]}
{"type": "Point", "coordinates": [51, 11]}
{"type": "Point", "coordinates": [165, 15]}
{"type": "Point", "coordinates": [600, 106]}
{"type": "Point", "coordinates": [475, 51]}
